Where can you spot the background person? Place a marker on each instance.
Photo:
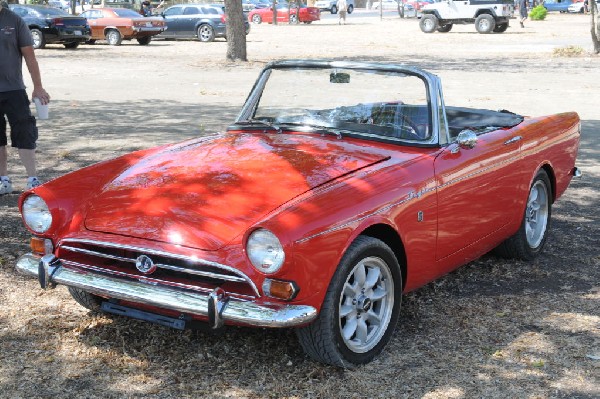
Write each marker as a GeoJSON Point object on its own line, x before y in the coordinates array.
{"type": "Point", "coordinates": [342, 7]}
{"type": "Point", "coordinates": [522, 12]}
{"type": "Point", "coordinates": [16, 44]}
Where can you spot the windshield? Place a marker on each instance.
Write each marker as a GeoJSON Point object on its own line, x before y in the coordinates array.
{"type": "Point", "coordinates": [388, 105]}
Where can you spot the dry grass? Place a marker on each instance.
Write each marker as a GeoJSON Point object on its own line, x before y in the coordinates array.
{"type": "Point", "coordinates": [492, 329]}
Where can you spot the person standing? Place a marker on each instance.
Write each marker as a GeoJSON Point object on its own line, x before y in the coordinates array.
{"type": "Point", "coordinates": [16, 44]}
{"type": "Point", "coordinates": [522, 12]}
{"type": "Point", "coordinates": [342, 7]}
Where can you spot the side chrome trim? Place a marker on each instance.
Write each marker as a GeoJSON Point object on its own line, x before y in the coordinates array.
{"type": "Point", "coordinates": [228, 309]}
{"type": "Point", "coordinates": [242, 277]}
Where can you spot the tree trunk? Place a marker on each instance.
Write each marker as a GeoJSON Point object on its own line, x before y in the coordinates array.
{"type": "Point", "coordinates": [595, 26]}
{"type": "Point", "coordinates": [274, 5]}
{"type": "Point", "coordinates": [236, 31]}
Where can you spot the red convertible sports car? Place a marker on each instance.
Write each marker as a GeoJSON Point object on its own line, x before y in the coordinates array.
{"type": "Point", "coordinates": [307, 14]}
{"type": "Point", "coordinates": [312, 211]}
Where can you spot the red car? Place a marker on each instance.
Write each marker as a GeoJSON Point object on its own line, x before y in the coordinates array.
{"type": "Point", "coordinates": [118, 24]}
{"type": "Point", "coordinates": [307, 14]}
{"type": "Point", "coordinates": [312, 211]}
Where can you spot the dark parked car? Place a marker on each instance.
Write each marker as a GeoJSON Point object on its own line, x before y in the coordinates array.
{"type": "Point", "coordinates": [51, 25]}
{"type": "Point", "coordinates": [204, 21]}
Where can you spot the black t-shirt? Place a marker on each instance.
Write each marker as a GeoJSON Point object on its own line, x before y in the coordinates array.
{"type": "Point", "coordinates": [14, 34]}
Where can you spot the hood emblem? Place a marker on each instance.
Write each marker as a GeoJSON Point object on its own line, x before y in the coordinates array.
{"type": "Point", "coordinates": [145, 265]}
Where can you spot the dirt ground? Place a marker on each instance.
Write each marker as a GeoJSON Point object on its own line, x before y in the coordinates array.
{"type": "Point", "coordinates": [492, 329]}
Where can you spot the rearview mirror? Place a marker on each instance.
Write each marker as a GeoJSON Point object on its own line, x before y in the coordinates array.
{"type": "Point", "coordinates": [339, 77]}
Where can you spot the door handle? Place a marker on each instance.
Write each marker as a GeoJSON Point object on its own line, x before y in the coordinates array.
{"type": "Point", "coordinates": [513, 140]}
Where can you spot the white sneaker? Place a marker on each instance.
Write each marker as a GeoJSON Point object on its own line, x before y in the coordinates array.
{"type": "Point", "coordinates": [33, 182]}
{"type": "Point", "coordinates": [5, 186]}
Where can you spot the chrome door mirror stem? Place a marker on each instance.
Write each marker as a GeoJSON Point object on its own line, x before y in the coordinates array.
{"type": "Point", "coordinates": [467, 139]}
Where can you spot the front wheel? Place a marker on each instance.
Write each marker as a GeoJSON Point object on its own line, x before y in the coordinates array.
{"type": "Point", "coordinates": [334, 9]}
{"type": "Point", "coordinates": [529, 240]}
{"type": "Point", "coordinates": [256, 19]}
{"type": "Point", "coordinates": [85, 299]}
{"type": "Point", "coordinates": [206, 33]}
{"type": "Point", "coordinates": [361, 307]}
{"type": "Point", "coordinates": [428, 23]}
{"type": "Point", "coordinates": [485, 23]}
{"type": "Point", "coordinates": [350, 9]}
{"type": "Point", "coordinates": [293, 19]}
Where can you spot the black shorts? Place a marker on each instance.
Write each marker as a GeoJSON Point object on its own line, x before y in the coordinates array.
{"type": "Point", "coordinates": [23, 130]}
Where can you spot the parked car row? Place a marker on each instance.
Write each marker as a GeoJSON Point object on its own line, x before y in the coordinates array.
{"type": "Point", "coordinates": [285, 14]}
{"type": "Point", "coordinates": [51, 25]}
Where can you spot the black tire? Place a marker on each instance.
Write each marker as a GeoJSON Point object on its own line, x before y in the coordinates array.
{"type": "Point", "coordinates": [257, 19]}
{"type": "Point", "coordinates": [39, 41]}
{"type": "Point", "coordinates": [445, 28]}
{"type": "Point", "coordinates": [350, 9]}
{"type": "Point", "coordinates": [113, 37]}
{"type": "Point", "coordinates": [529, 240]}
{"type": "Point", "coordinates": [85, 299]}
{"type": "Point", "coordinates": [485, 23]}
{"type": "Point", "coordinates": [334, 9]}
{"type": "Point", "coordinates": [91, 41]}
{"type": "Point", "coordinates": [71, 45]}
{"type": "Point", "coordinates": [428, 23]}
{"type": "Point", "coordinates": [206, 33]}
{"type": "Point", "coordinates": [323, 340]}
{"type": "Point", "coordinates": [501, 28]}
{"type": "Point", "coordinates": [144, 41]}
{"type": "Point", "coordinates": [308, 22]}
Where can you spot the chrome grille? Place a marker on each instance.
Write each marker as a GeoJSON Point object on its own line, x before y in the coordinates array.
{"type": "Point", "coordinates": [172, 269]}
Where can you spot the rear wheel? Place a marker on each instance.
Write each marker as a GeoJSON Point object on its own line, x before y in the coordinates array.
{"type": "Point", "coordinates": [38, 38]}
{"type": "Point", "coordinates": [529, 240]}
{"type": "Point", "coordinates": [350, 9]}
{"type": "Point", "coordinates": [361, 307]}
{"type": "Point", "coordinates": [485, 23]}
{"type": "Point", "coordinates": [334, 9]}
{"type": "Point", "coordinates": [428, 23]}
{"type": "Point", "coordinates": [293, 19]}
{"type": "Point", "coordinates": [71, 45]}
{"type": "Point", "coordinates": [206, 33]}
{"type": "Point", "coordinates": [144, 40]}
{"type": "Point", "coordinates": [500, 28]}
{"type": "Point", "coordinates": [256, 19]}
{"type": "Point", "coordinates": [85, 299]}
{"type": "Point", "coordinates": [113, 37]}
{"type": "Point", "coordinates": [445, 28]}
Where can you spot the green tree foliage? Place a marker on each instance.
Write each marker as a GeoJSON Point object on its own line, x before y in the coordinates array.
{"type": "Point", "coordinates": [538, 13]}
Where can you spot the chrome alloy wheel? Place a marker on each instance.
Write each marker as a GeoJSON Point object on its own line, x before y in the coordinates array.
{"type": "Point", "coordinates": [36, 35]}
{"type": "Point", "coordinates": [366, 304]}
{"type": "Point", "coordinates": [536, 215]}
{"type": "Point", "coordinates": [484, 25]}
{"type": "Point", "coordinates": [206, 33]}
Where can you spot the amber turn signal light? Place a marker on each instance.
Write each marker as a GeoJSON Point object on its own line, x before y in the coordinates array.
{"type": "Point", "coordinates": [286, 290]}
{"type": "Point", "coordinates": [40, 246]}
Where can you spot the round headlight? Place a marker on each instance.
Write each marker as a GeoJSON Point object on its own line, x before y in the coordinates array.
{"type": "Point", "coordinates": [265, 251]}
{"type": "Point", "coordinates": [36, 214]}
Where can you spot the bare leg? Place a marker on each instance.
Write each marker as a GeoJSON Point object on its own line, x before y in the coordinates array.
{"type": "Point", "coordinates": [28, 159]}
{"type": "Point", "coordinates": [3, 161]}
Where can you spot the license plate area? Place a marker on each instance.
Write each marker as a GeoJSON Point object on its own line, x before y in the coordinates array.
{"type": "Point", "coordinates": [120, 310]}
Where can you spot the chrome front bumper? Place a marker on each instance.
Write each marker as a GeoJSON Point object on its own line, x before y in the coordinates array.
{"type": "Point", "coordinates": [216, 306]}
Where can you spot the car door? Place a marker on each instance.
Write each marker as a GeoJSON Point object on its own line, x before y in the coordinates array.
{"type": "Point", "coordinates": [93, 17]}
{"type": "Point", "coordinates": [191, 14]}
{"type": "Point", "coordinates": [478, 193]}
{"type": "Point", "coordinates": [174, 19]}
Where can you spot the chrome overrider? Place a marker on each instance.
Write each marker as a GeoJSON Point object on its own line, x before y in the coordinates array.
{"type": "Point", "coordinates": [217, 306]}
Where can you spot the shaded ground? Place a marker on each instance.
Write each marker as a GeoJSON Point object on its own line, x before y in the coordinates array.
{"type": "Point", "coordinates": [493, 329]}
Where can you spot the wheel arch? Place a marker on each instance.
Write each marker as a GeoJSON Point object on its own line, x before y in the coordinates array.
{"type": "Point", "coordinates": [107, 28]}
{"type": "Point", "coordinates": [551, 175]}
{"type": "Point", "coordinates": [485, 11]}
{"type": "Point", "coordinates": [435, 13]}
{"type": "Point", "coordinates": [392, 239]}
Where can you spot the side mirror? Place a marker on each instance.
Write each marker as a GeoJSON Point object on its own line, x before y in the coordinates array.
{"type": "Point", "coordinates": [467, 139]}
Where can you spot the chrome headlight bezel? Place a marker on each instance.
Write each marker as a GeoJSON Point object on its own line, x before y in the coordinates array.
{"type": "Point", "coordinates": [36, 214]}
{"type": "Point", "coordinates": [265, 252]}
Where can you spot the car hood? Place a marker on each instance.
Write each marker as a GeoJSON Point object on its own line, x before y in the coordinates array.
{"type": "Point", "coordinates": [204, 193]}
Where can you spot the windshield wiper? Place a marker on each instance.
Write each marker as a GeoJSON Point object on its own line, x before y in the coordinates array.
{"type": "Point", "coordinates": [308, 127]}
{"type": "Point", "coordinates": [259, 122]}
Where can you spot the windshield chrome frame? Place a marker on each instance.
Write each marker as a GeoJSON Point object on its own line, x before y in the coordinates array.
{"type": "Point", "coordinates": [434, 89]}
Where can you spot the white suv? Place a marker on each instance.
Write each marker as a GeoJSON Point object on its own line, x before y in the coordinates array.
{"type": "Point", "coordinates": [331, 6]}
